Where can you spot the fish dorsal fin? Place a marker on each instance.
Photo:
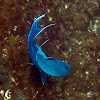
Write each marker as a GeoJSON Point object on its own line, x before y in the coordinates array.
{"type": "Point", "coordinates": [44, 43]}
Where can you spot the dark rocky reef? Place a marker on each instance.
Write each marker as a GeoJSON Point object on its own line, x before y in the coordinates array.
{"type": "Point", "coordinates": [75, 38]}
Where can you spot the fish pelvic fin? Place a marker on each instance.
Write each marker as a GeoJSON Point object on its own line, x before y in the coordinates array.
{"type": "Point", "coordinates": [43, 76]}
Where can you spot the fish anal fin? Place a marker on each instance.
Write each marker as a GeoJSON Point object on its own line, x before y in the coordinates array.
{"type": "Point", "coordinates": [30, 63]}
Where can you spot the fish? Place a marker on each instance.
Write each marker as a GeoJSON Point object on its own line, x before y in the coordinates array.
{"type": "Point", "coordinates": [46, 65]}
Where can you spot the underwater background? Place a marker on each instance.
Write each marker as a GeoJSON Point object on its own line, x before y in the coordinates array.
{"type": "Point", "coordinates": [75, 39]}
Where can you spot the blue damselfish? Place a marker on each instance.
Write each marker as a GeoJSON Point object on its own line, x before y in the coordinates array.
{"type": "Point", "coordinates": [46, 65]}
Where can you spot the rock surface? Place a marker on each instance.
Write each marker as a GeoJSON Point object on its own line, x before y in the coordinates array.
{"type": "Point", "coordinates": [74, 39]}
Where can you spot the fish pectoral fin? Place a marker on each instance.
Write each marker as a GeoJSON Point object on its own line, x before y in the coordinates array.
{"type": "Point", "coordinates": [53, 67]}
{"type": "Point", "coordinates": [30, 63]}
{"type": "Point", "coordinates": [49, 58]}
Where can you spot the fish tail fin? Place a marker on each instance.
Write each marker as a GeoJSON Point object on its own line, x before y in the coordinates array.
{"type": "Point", "coordinates": [35, 31]}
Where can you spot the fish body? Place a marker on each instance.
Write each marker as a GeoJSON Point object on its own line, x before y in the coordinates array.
{"type": "Point", "coordinates": [46, 65]}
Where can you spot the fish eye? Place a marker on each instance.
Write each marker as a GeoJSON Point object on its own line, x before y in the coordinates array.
{"type": "Point", "coordinates": [66, 67]}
